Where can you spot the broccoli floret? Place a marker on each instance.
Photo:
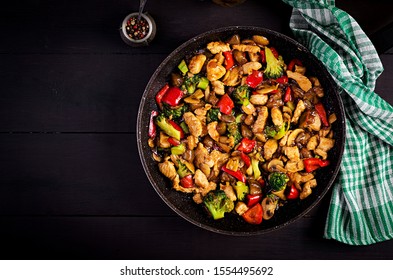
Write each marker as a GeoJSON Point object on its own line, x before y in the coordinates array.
{"type": "Point", "coordinates": [270, 131]}
{"type": "Point", "coordinates": [278, 181]}
{"type": "Point", "coordinates": [190, 83]}
{"type": "Point", "coordinates": [217, 203]}
{"type": "Point", "coordinates": [212, 115]}
{"type": "Point", "coordinates": [174, 112]}
{"type": "Point", "coordinates": [163, 123]}
{"type": "Point", "coordinates": [241, 95]}
{"type": "Point", "coordinates": [233, 130]}
{"type": "Point", "coordinates": [277, 132]}
{"type": "Point", "coordinates": [241, 190]}
{"type": "Point", "coordinates": [182, 170]}
{"type": "Point", "coordinates": [274, 66]}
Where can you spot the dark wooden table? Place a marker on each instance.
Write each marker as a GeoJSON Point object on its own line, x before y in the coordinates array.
{"type": "Point", "coordinates": [72, 186]}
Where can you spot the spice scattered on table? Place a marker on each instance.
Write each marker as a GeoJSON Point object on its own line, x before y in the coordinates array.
{"type": "Point", "coordinates": [137, 29]}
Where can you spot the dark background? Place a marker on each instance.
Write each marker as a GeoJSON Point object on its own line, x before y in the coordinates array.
{"type": "Point", "coordinates": [72, 186]}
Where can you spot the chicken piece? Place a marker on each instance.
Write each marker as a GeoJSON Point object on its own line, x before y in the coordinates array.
{"type": "Point", "coordinates": [163, 141]}
{"type": "Point", "coordinates": [196, 63]}
{"type": "Point", "coordinates": [284, 140]}
{"type": "Point", "coordinates": [227, 188]}
{"type": "Point", "coordinates": [292, 153]}
{"type": "Point", "coordinates": [203, 160]}
{"type": "Point", "coordinates": [312, 143]}
{"type": "Point", "coordinates": [216, 47]}
{"type": "Point", "coordinates": [260, 122]}
{"type": "Point", "coordinates": [232, 77]}
{"type": "Point", "coordinates": [219, 160]}
{"type": "Point", "coordinates": [276, 116]}
{"type": "Point", "coordinates": [321, 153]}
{"type": "Point", "coordinates": [168, 169]}
{"type": "Point", "coordinates": [204, 191]}
{"type": "Point", "coordinates": [218, 87]}
{"type": "Point", "coordinates": [306, 191]}
{"type": "Point", "coordinates": [312, 121]}
{"type": "Point", "coordinates": [301, 178]}
{"type": "Point", "coordinates": [250, 66]}
{"type": "Point", "coordinates": [203, 110]}
{"type": "Point", "coordinates": [201, 179]}
{"type": "Point", "coordinates": [198, 198]}
{"type": "Point", "coordinates": [193, 123]}
{"type": "Point", "coordinates": [303, 82]}
{"type": "Point", "coordinates": [300, 107]}
{"type": "Point", "coordinates": [325, 144]}
{"type": "Point", "coordinates": [214, 70]}
{"type": "Point", "coordinates": [192, 142]}
{"type": "Point", "coordinates": [294, 166]}
{"type": "Point", "coordinates": [247, 48]}
{"type": "Point", "coordinates": [220, 58]}
{"type": "Point", "coordinates": [259, 99]}
{"type": "Point", "coordinates": [212, 131]}
{"type": "Point", "coordinates": [269, 148]}
{"type": "Point", "coordinates": [241, 208]}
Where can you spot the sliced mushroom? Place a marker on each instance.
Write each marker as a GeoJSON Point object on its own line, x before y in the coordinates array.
{"type": "Point", "coordinates": [292, 136]}
{"type": "Point", "coordinates": [232, 77]}
{"type": "Point", "coordinates": [269, 206]}
{"type": "Point", "coordinates": [260, 40]}
{"type": "Point", "coordinates": [276, 165]}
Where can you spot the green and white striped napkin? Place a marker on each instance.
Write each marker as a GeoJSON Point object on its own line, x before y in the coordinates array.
{"type": "Point", "coordinates": [361, 208]}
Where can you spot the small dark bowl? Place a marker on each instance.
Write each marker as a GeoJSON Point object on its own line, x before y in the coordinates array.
{"type": "Point", "coordinates": [232, 224]}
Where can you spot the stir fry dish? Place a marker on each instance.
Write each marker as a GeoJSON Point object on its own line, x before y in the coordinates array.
{"type": "Point", "coordinates": [241, 130]}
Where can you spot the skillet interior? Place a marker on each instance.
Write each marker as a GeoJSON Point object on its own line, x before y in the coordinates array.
{"type": "Point", "coordinates": [181, 203]}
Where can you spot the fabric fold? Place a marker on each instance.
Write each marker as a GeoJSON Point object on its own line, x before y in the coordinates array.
{"type": "Point", "coordinates": [361, 208]}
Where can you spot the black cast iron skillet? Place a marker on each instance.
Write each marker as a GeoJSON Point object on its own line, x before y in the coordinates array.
{"type": "Point", "coordinates": [182, 203]}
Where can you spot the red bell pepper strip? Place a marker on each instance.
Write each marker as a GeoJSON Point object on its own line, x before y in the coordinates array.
{"type": "Point", "coordinates": [237, 174]}
{"type": "Point", "coordinates": [187, 181]}
{"type": "Point", "coordinates": [225, 104]}
{"type": "Point", "coordinates": [246, 145]}
{"type": "Point", "coordinates": [292, 63]}
{"type": "Point", "coordinates": [322, 113]}
{"type": "Point", "coordinates": [160, 94]}
{"type": "Point", "coordinates": [263, 56]}
{"type": "Point", "coordinates": [293, 192]}
{"type": "Point", "coordinates": [177, 127]}
{"type": "Point", "coordinates": [311, 164]}
{"type": "Point", "coordinates": [288, 95]}
{"type": "Point", "coordinates": [253, 199]}
{"type": "Point", "coordinates": [254, 79]}
{"type": "Point", "coordinates": [254, 215]}
{"type": "Point", "coordinates": [152, 126]}
{"type": "Point", "coordinates": [282, 80]}
{"type": "Point", "coordinates": [229, 61]}
{"type": "Point", "coordinates": [173, 141]}
{"type": "Point", "coordinates": [173, 96]}
{"type": "Point", "coordinates": [246, 159]}
{"type": "Point", "coordinates": [274, 51]}
{"type": "Point", "coordinates": [261, 182]}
